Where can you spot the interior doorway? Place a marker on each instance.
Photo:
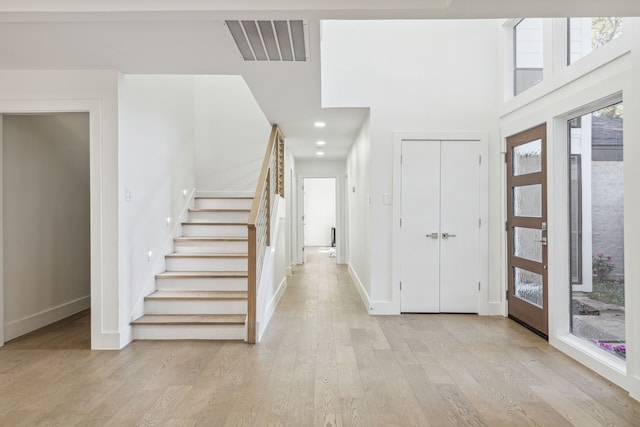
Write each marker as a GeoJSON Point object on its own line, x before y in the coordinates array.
{"type": "Point", "coordinates": [46, 236]}
{"type": "Point", "coordinates": [319, 214]}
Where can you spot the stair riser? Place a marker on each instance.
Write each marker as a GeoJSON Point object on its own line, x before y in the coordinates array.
{"type": "Point", "coordinates": [189, 332]}
{"type": "Point", "coordinates": [221, 247]}
{"type": "Point", "coordinates": [195, 307]}
{"type": "Point", "coordinates": [201, 284]}
{"type": "Point", "coordinates": [223, 203]}
{"type": "Point", "coordinates": [219, 216]}
{"type": "Point", "coordinates": [199, 230]}
{"type": "Point", "coordinates": [206, 264]}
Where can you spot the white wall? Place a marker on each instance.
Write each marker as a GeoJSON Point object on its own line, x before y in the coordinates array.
{"type": "Point", "coordinates": [231, 134]}
{"type": "Point", "coordinates": [433, 76]}
{"type": "Point", "coordinates": [157, 165]}
{"type": "Point", "coordinates": [94, 92]}
{"type": "Point", "coordinates": [358, 191]}
{"type": "Point", "coordinates": [46, 219]}
{"type": "Point", "coordinates": [273, 282]}
{"type": "Point", "coordinates": [319, 210]}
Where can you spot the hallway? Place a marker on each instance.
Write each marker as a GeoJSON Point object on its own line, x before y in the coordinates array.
{"type": "Point", "coordinates": [323, 361]}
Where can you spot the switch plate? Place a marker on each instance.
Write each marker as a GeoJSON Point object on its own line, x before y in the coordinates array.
{"type": "Point", "coordinates": [128, 194]}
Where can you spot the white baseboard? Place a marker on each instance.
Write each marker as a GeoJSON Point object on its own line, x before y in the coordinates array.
{"type": "Point", "coordinates": [107, 341]}
{"type": "Point", "coordinates": [360, 287]}
{"type": "Point", "coordinates": [207, 193]}
{"type": "Point", "coordinates": [374, 307]}
{"type": "Point", "coordinates": [271, 308]}
{"type": "Point", "coordinates": [492, 309]}
{"type": "Point", "coordinates": [16, 328]}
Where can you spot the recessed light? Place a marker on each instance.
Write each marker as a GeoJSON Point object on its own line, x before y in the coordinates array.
{"type": "Point", "coordinates": [320, 143]}
{"type": "Point", "coordinates": [319, 153]}
{"type": "Point", "coordinates": [319, 124]}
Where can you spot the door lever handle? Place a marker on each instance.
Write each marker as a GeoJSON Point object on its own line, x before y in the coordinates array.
{"type": "Point", "coordinates": [543, 241]}
{"type": "Point", "coordinates": [433, 235]}
{"type": "Point", "coordinates": [447, 235]}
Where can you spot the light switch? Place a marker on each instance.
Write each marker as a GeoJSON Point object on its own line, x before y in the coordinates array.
{"type": "Point", "coordinates": [387, 199]}
{"type": "Point", "coordinates": [128, 194]}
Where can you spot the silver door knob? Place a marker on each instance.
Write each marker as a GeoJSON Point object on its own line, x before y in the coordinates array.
{"type": "Point", "coordinates": [447, 235]}
{"type": "Point", "coordinates": [433, 235]}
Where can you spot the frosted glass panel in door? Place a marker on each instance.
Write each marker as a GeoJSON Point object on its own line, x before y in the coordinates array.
{"type": "Point", "coordinates": [527, 158]}
{"type": "Point", "coordinates": [527, 243]}
{"type": "Point", "coordinates": [528, 286]}
{"type": "Point", "coordinates": [527, 201]}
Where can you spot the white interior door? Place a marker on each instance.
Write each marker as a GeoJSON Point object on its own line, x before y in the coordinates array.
{"type": "Point", "coordinates": [460, 227]}
{"type": "Point", "coordinates": [420, 231]}
{"type": "Point", "coordinates": [440, 226]}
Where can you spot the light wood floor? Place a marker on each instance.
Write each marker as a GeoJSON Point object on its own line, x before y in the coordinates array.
{"type": "Point", "coordinates": [323, 362]}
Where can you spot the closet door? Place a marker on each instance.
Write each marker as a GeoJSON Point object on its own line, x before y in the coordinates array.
{"type": "Point", "coordinates": [420, 231]}
{"type": "Point", "coordinates": [460, 227]}
{"type": "Point", "coordinates": [440, 226]}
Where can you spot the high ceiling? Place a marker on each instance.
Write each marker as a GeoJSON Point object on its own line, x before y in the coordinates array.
{"type": "Point", "coordinates": [189, 37]}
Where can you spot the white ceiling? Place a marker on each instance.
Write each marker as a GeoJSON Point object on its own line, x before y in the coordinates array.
{"type": "Point", "coordinates": [188, 37]}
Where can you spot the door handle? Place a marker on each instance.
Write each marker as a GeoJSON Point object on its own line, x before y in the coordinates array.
{"type": "Point", "coordinates": [543, 241]}
{"type": "Point", "coordinates": [433, 235]}
{"type": "Point", "coordinates": [447, 235]}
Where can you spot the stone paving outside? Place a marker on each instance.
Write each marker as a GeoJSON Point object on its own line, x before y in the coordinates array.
{"type": "Point", "coordinates": [605, 322]}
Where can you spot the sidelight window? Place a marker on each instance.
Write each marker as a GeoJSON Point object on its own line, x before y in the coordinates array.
{"type": "Point", "coordinates": [596, 218]}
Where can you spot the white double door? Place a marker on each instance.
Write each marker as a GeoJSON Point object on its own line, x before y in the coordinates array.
{"type": "Point", "coordinates": [440, 231]}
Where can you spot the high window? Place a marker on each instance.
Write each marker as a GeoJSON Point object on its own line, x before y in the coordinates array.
{"type": "Point", "coordinates": [596, 218]}
{"type": "Point", "coordinates": [588, 34]}
{"type": "Point", "coordinates": [528, 54]}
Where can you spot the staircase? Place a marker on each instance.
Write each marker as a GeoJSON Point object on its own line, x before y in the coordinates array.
{"type": "Point", "coordinates": [203, 292]}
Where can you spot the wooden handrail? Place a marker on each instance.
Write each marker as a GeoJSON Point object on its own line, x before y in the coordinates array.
{"type": "Point", "coordinates": [259, 223]}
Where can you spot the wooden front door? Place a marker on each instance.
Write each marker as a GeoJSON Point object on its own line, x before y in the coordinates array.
{"type": "Point", "coordinates": [527, 228]}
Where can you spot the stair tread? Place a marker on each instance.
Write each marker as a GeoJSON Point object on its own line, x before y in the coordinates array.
{"type": "Point", "coordinates": [197, 295]}
{"type": "Point", "coordinates": [202, 274]}
{"type": "Point", "coordinates": [209, 255]}
{"type": "Point", "coordinates": [218, 210]}
{"type": "Point", "coordinates": [190, 319]}
{"type": "Point", "coordinates": [210, 239]}
{"type": "Point", "coordinates": [213, 223]}
{"type": "Point", "coordinates": [223, 197]}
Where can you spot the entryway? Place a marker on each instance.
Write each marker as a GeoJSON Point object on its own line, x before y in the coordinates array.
{"type": "Point", "coordinates": [441, 225]}
{"type": "Point", "coordinates": [527, 228]}
{"type": "Point", "coordinates": [46, 240]}
{"type": "Point", "coordinates": [319, 215]}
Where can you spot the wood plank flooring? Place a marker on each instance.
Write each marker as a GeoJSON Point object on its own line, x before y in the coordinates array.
{"type": "Point", "coordinates": [323, 362]}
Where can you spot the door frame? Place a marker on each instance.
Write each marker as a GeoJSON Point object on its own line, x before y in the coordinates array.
{"type": "Point", "coordinates": [301, 175]}
{"type": "Point", "coordinates": [485, 305]}
{"type": "Point", "coordinates": [103, 206]}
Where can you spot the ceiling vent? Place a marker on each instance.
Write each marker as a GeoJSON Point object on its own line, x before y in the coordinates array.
{"type": "Point", "coordinates": [270, 40]}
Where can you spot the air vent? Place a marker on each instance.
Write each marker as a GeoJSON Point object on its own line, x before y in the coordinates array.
{"type": "Point", "coordinates": [269, 40]}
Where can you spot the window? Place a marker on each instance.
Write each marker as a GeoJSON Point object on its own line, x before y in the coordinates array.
{"type": "Point", "coordinates": [588, 34]}
{"type": "Point", "coordinates": [596, 217]}
{"type": "Point", "coordinates": [528, 54]}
